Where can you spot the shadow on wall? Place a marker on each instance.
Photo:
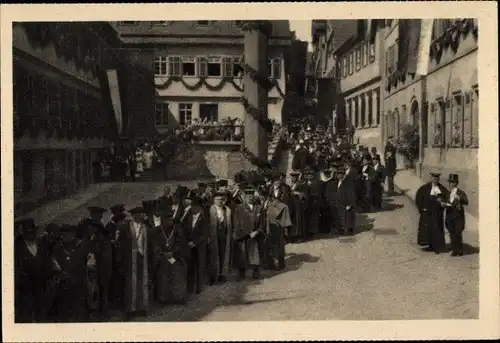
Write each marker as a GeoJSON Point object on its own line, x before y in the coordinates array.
{"type": "Point", "coordinates": [188, 163]}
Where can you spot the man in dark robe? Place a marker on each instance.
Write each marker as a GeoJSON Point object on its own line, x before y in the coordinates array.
{"type": "Point", "coordinates": [455, 215]}
{"type": "Point", "coordinates": [171, 272]}
{"type": "Point", "coordinates": [117, 283]}
{"type": "Point", "coordinates": [249, 231]}
{"type": "Point", "coordinates": [330, 199]}
{"type": "Point", "coordinates": [315, 197]}
{"type": "Point", "coordinates": [346, 203]}
{"type": "Point", "coordinates": [166, 199]}
{"type": "Point", "coordinates": [390, 166]}
{"type": "Point", "coordinates": [282, 192]}
{"type": "Point", "coordinates": [177, 205]}
{"type": "Point", "coordinates": [33, 269]}
{"type": "Point", "coordinates": [301, 157]}
{"type": "Point", "coordinates": [93, 230]}
{"type": "Point", "coordinates": [298, 211]}
{"type": "Point", "coordinates": [220, 238]}
{"type": "Point", "coordinates": [367, 177]}
{"type": "Point", "coordinates": [378, 183]}
{"type": "Point", "coordinates": [429, 201]}
{"type": "Point", "coordinates": [277, 222]}
{"type": "Point", "coordinates": [195, 227]}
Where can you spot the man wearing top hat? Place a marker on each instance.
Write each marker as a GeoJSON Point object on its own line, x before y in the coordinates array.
{"type": "Point", "coordinates": [430, 200]}
{"type": "Point", "coordinates": [133, 242]}
{"type": "Point", "coordinates": [346, 203]}
{"type": "Point", "coordinates": [367, 178]}
{"type": "Point", "coordinates": [379, 174]}
{"type": "Point", "coordinates": [32, 267]}
{"type": "Point", "coordinates": [330, 184]}
{"type": "Point", "coordinates": [93, 230]}
{"type": "Point", "coordinates": [195, 228]}
{"type": "Point", "coordinates": [166, 199]}
{"type": "Point", "coordinates": [301, 157]}
{"type": "Point", "coordinates": [220, 238]}
{"type": "Point", "coordinates": [390, 166]}
{"type": "Point", "coordinates": [315, 196]}
{"type": "Point", "coordinates": [455, 214]}
{"type": "Point", "coordinates": [117, 282]}
{"type": "Point", "coordinates": [248, 233]}
{"type": "Point", "coordinates": [298, 211]}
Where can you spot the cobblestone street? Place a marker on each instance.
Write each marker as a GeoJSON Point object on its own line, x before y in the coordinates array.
{"type": "Point", "coordinates": [378, 274]}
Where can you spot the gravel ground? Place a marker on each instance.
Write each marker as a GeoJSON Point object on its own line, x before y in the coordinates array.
{"type": "Point", "coordinates": [379, 274]}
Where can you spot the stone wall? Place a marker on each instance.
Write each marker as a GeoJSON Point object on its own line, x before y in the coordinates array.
{"type": "Point", "coordinates": [206, 160]}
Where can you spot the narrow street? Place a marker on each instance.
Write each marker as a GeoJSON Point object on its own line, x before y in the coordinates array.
{"type": "Point", "coordinates": [379, 274]}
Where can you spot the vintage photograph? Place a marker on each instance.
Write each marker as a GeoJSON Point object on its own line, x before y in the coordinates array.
{"type": "Point", "coordinates": [218, 170]}
{"type": "Point", "coordinates": [203, 176]}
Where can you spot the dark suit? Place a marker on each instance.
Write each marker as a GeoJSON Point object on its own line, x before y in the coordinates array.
{"type": "Point", "coordinates": [390, 166]}
{"type": "Point", "coordinates": [301, 159]}
{"type": "Point", "coordinates": [315, 194]}
{"type": "Point", "coordinates": [455, 220]}
{"type": "Point", "coordinates": [196, 231]}
{"type": "Point", "coordinates": [330, 188]}
{"type": "Point", "coordinates": [346, 196]}
{"type": "Point", "coordinates": [377, 185]}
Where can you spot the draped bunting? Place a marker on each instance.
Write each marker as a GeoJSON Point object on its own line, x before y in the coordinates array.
{"type": "Point", "coordinates": [451, 38]}
{"type": "Point", "coordinates": [409, 36]}
{"type": "Point", "coordinates": [260, 163]}
{"type": "Point", "coordinates": [257, 115]}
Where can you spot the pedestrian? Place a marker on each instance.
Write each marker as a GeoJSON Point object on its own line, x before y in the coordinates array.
{"type": "Point", "coordinates": [277, 222]}
{"type": "Point", "coordinates": [117, 282]}
{"type": "Point", "coordinates": [249, 230]}
{"type": "Point", "coordinates": [171, 272]}
{"type": "Point", "coordinates": [195, 228]}
{"type": "Point", "coordinates": [315, 197]}
{"type": "Point", "coordinates": [429, 201]}
{"type": "Point", "coordinates": [367, 177]}
{"type": "Point", "coordinates": [178, 206]}
{"type": "Point", "coordinates": [346, 203]}
{"type": "Point", "coordinates": [455, 215]}
{"type": "Point", "coordinates": [298, 211]}
{"type": "Point", "coordinates": [330, 200]}
{"type": "Point", "coordinates": [390, 166]}
{"type": "Point", "coordinates": [133, 242]}
{"type": "Point", "coordinates": [220, 238]}
{"type": "Point", "coordinates": [378, 183]}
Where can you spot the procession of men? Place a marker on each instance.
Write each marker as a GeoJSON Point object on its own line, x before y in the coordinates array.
{"type": "Point", "coordinates": [171, 248]}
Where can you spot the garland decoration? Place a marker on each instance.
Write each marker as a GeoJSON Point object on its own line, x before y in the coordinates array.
{"type": "Point", "coordinates": [202, 81]}
{"type": "Point", "coordinates": [260, 163]}
{"type": "Point", "coordinates": [264, 81]}
{"type": "Point", "coordinates": [257, 115]}
{"type": "Point", "coordinates": [451, 37]}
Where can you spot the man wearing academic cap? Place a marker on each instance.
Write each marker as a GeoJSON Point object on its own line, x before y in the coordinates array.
{"type": "Point", "coordinates": [33, 269]}
{"type": "Point", "coordinates": [455, 214]}
{"type": "Point", "coordinates": [430, 201]}
{"type": "Point", "coordinates": [220, 238]}
{"type": "Point", "coordinates": [346, 203]}
{"type": "Point", "coordinates": [93, 230]}
{"type": "Point", "coordinates": [133, 241]}
{"type": "Point", "coordinates": [249, 230]}
{"type": "Point", "coordinates": [195, 228]}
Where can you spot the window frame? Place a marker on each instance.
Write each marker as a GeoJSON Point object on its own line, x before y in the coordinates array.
{"type": "Point", "coordinates": [210, 60]}
{"type": "Point", "coordinates": [185, 108]}
{"type": "Point", "coordinates": [358, 58]}
{"type": "Point", "coordinates": [164, 108]}
{"type": "Point", "coordinates": [188, 60]}
{"type": "Point", "coordinates": [172, 62]}
{"type": "Point", "coordinates": [161, 61]}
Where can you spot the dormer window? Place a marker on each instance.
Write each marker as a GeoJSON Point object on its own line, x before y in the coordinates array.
{"type": "Point", "coordinates": [203, 22]}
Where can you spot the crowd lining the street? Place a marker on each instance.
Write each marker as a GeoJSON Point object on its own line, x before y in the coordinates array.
{"type": "Point", "coordinates": [170, 248]}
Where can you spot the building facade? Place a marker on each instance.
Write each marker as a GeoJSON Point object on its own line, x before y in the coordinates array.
{"type": "Point", "coordinates": [197, 71]}
{"type": "Point", "coordinates": [61, 117]}
{"type": "Point", "coordinates": [442, 101]}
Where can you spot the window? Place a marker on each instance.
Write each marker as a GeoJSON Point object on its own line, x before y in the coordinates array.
{"type": "Point", "coordinates": [237, 68]}
{"type": "Point", "coordinates": [345, 66]}
{"type": "Point", "coordinates": [161, 64]}
{"type": "Point", "coordinates": [202, 66]}
{"type": "Point", "coordinates": [475, 117]}
{"type": "Point", "coordinates": [185, 114]}
{"type": "Point", "coordinates": [174, 66]}
{"type": "Point", "coordinates": [372, 52]}
{"type": "Point", "coordinates": [188, 66]}
{"type": "Point", "coordinates": [370, 109]}
{"type": "Point", "coordinates": [364, 55]}
{"type": "Point", "coordinates": [227, 67]}
{"type": "Point", "coordinates": [209, 112]}
{"type": "Point", "coordinates": [358, 59]}
{"type": "Point", "coordinates": [377, 114]}
{"type": "Point", "coordinates": [161, 23]}
{"type": "Point", "coordinates": [351, 63]}
{"type": "Point", "coordinates": [203, 22]}
{"type": "Point", "coordinates": [275, 68]}
{"type": "Point", "coordinates": [425, 123]}
{"type": "Point", "coordinates": [439, 116]}
{"type": "Point", "coordinates": [214, 68]}
{"type": "Point", "coordinates": [238, 23]}
{"type": "Point", "coordinates": [457, 121]}
{"type": "Point", "coordinates": [161, 114]}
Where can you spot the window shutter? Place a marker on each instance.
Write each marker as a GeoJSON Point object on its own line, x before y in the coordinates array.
{"type": "Point", "coordinates": [227, 67]}
{"type": "Point", "coordinates": [432, 124]}
{"type": "Point", "coordinates": [459, 121]}
{"type": "Point", "coordinates": [202, 66]}
{"type": "Point", "coordinates": [467, 118]}
{"type": "Point", "coordinates": [447, 122]}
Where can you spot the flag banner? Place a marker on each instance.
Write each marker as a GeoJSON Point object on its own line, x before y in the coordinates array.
{"type": "Point", "coordinates": [114, 91]}
{"type": "Point", "coordinates": [424, 46]}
